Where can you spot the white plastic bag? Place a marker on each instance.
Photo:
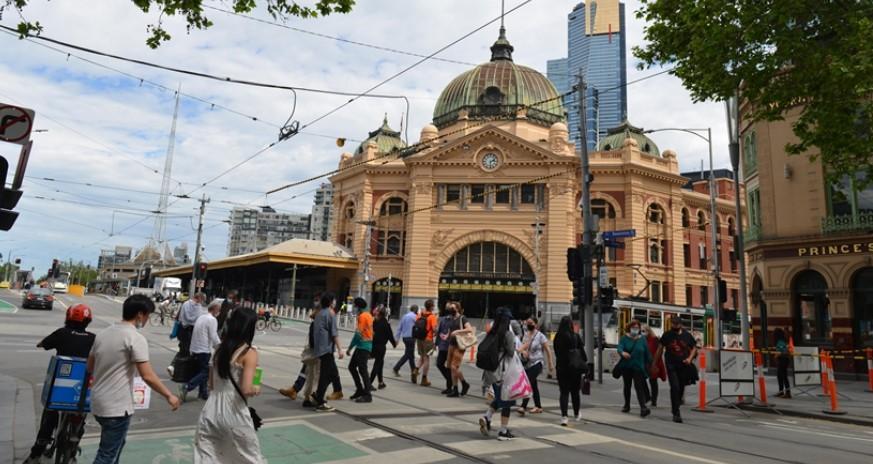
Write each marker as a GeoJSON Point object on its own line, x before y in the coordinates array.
{"type": "Point", "coordinates": [516, 385]}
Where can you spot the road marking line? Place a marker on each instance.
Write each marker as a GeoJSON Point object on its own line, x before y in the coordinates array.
{"type": "Point", "coordinates": [814, 432]}
{"type": "Point", "coordinates": [671, 453]}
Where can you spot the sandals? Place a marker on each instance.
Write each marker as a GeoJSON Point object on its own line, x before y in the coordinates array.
{"type": "Point", "coordinates": [520, 411]}
{"type": "Point", "coordinates": [535, 410]}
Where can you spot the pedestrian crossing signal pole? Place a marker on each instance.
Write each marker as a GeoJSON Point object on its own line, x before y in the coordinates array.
{"type": "Point", "coordinates": [192, 287]}
{"type": "Point", "coordinates": [586, 313]}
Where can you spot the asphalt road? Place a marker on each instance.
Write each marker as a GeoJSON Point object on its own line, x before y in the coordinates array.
{"type": "Point", "coordinates": [418, 425]}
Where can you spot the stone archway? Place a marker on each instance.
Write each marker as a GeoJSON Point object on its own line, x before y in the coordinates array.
{"type": "Point", "coordinates": [443, 257]}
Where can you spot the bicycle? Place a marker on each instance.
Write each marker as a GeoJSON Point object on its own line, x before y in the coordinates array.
{"type": "Point", "coordinates": [71, 427]}
{"type": "Point", "coordinates": [270, 321]}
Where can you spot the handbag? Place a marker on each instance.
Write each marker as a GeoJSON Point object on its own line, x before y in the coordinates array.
{"type": "Point", "coordinates": [465, 340]}
{"type": "Point", "coordinates": [256, 419]}
{"type": "Point", "coordinates": [576, 357]}
{"type": "Point", "coordinates": [586, 385]}
{"type": "Point", "coordinates": [618, 369]}
{"type": "Point", "coordinates": [174, 332]}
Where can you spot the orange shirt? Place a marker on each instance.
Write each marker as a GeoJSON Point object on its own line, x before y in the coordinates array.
{"type": "Point", "coordinates": [365, 326]}
{"type": "Point", "coordinates": [432, 323]}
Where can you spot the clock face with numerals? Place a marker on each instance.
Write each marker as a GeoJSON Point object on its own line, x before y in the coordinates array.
{"type": "Point", "coordinates": [490, 161]}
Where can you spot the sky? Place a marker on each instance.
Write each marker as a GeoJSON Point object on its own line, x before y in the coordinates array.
{"type": "Point", "coordinates": [106, 123]}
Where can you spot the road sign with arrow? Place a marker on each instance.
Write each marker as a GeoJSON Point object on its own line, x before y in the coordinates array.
{"type": "Point", "coordinates": [15, 123]}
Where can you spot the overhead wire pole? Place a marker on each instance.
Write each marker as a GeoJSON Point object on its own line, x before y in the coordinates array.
{"type": "Point", "coordinates": [716, 271]}
{"type": "Point", "coordinates": [733, 111]}
{"type": "Point", "coordinates": [586, 315]}
{"type": "Point", "coordinates": [193, 285]}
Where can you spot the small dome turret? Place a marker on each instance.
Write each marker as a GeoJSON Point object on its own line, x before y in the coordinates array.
{"type": "Point", "coordinates": [615, 139]}
{"type": "Point", "coordinates": [385, 138]}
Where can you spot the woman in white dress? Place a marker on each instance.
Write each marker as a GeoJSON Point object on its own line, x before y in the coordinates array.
{"type": "Point", "coordinates": [225, 433]}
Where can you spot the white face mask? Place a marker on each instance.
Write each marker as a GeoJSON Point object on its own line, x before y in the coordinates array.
{"type": "Point", "coordinates": [634, 332]}
{"type": "Point", "coordinates": [139, 324]}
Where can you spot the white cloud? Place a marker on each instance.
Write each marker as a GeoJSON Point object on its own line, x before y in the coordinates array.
{"type": "Point", "coordinates": [122, 120]}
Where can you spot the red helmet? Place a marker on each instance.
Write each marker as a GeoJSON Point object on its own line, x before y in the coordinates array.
{"type": "Point", "coordinates": [79, 313]}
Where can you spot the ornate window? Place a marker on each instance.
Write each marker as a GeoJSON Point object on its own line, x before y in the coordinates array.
{"type": "Point", "coordinates": [655, 214]}
{"type": "Point", "coordinates": [750, 153]}
{"type": "Point", "coordinates": [850, 206]}
{"type": "Point", "coordinates": [686, 218]}
{"type": "Point", "coordinates": [701, 220]}
{"type": "Point", "coordinates": [528, 194]}
{"type": "Point", "coordinates": [390, 233]}
{"type": "Point", "coordinates": [350, 210]}
{"type": "Point", "coordinates": [394, 206]}
{"type": "Point", "coordinates": [732, 229]}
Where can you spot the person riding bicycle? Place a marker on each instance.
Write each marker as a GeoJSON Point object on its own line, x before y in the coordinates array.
{"type": "Point", "coordinates": [70, 340]}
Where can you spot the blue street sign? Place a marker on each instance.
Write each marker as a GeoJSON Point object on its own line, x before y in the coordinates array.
{"type": "Point", "coordinates": [611, 244]}
{"type": "Point", "coordinates": [614, 234]}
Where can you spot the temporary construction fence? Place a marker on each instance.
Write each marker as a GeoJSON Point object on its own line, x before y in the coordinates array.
{"type": "Point", "coordinates": [298, 313]}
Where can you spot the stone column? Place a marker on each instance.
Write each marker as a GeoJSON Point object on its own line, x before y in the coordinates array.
{"type": "Point", "coordinates": [418, 272]}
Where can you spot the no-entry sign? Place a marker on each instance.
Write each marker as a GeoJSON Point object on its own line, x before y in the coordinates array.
{"type": "Point", "coordinates": [15, 123]}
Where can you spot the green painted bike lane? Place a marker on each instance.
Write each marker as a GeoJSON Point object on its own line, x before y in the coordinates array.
{"type": "Point", "coordinates": [297, 443]}
{"type": "Point", "coordinates": [6, 307]}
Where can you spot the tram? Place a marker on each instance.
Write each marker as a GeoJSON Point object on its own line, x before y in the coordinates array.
{"type": "Point", "coordinates": [657, 317]}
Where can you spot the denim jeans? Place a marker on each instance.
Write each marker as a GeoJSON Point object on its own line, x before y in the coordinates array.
{"type": "Point", "coordinates": [113, 433]}
{"type": "Point", "coordinates": [201, 379]}
{"type": "Point", "coordinates": [408, 354]}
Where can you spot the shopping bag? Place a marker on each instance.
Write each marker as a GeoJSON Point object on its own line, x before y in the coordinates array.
{"type": "Point", "coordinates": [175, 331]}
{"type": "Point", "coordinates": [516, 385]}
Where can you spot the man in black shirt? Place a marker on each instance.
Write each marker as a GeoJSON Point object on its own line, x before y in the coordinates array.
{"type": "Point", "coordinates": [70, 340]}
{"type": "Point", "coordinates": [679, 349]}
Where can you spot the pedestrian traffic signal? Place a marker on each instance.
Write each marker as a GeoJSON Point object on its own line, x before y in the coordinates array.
{"type": "Point", "coordinates": [201, 271]}
{"type": "Point", "coordinates": [577, 292]}
{"type": "Point", "coordinates": [574, 265]}
{"type": "Point", "coordinates": [728, 315]}
{"type": "Point", "coordinates": [8, 198]}
{"type": "Point", "coordinates": [607, 297]}
{"type": "Point", "coordinates": [722, 291]}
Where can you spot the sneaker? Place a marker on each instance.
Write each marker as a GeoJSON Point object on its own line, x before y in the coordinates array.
{"type": "Point", "coordinates": [677, 418]}
{"type": "Point", "coordinates": [335, 396]}
{"type": "Point", "coordinates": [425, 382]}
{"type": "Point", "coordinates": [396, 373]}
{"type": "Point", "coordinates": [325, 408]}
{"type": "Point", "coordinates": [579, 417]}
{"type": "Point", "coordinates": [564, 421]}
{"type": "Point", "coordinates": [364, 399]}
{"type": "Point", "coordinates": [308, 404]}
{"type": "Point", "coordinates": [382, 386]}
{"type": "Point", "coordinates": [289, 392]}
{"type": "Point", "coordinates": [171, 370]}
{"type": "Point", "coordinates": [182, 392]}
{"type": "Point", "coordinates": [505, 435]}
{"type": "Point", "coordinates": [465, 387]}
{"type": "Point", "coordinates": [355, 396]}
{"type": "Point", "coordinates": [645, 412]}
{"type": "Point", "coordinates": [484, 426]}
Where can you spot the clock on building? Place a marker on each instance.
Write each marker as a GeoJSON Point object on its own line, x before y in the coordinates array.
{"type": "Point", "coordinates": [490, 161]}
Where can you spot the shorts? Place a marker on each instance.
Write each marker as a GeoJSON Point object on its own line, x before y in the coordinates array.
{"type": "Point", "coordinates": [425, 347]}
{"type": "Point", "coordinates": [456, 357]}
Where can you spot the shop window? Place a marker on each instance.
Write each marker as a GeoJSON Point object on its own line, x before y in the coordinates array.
{"type": "Point", "coordinates": [686, 218]}
{"type": "Point", "coordinates": [862, 307]}
{"type": "Point", "coordinates": [686, 254]}
{"type": "Point", "coordinates": [811, 308]}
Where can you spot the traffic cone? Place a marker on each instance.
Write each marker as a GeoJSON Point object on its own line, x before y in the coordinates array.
{"type": "Point", "coordinates": [835, 405]}
{"type": "Point", "coordinates": [701, 383]}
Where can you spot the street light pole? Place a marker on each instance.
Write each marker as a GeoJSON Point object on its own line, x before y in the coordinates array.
{"type": "Point", "coordinates": [587, 315]}
{"type": "Point", "coordinates": [733, 120]}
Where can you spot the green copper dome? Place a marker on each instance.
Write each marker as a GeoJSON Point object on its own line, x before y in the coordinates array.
{"type": "Point", "coordinates": [499, 89]}
{"type": "Point", "coordinates": [616, 136]}
{"type": "Point", "coordinates": [385, 138]}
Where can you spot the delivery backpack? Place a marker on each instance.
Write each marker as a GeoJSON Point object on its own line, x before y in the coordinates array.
{"type": "Point", "coordinates": [488, 353]}
{"type": "Point", "coordinates": [419, 329]}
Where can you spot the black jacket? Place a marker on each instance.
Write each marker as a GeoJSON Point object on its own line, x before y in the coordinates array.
{"type": "Point", "coordinates": [382, 334]}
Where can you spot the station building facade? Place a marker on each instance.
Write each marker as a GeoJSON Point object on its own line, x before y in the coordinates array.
{"type": "Point", "coordinates": [455, 215]}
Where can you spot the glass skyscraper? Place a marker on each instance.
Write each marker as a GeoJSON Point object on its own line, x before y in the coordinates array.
{"type": "Point", "coordinates": [596, 47]}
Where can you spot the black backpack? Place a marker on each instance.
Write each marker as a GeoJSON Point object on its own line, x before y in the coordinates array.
{"type": "Point", "coordinates": [488, 353]}
{"type": "Point", "coordinates": [419, 329]}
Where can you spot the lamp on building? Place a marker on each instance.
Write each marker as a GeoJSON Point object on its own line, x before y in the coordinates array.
{"type": "Point", "coordinates": [732, 110]}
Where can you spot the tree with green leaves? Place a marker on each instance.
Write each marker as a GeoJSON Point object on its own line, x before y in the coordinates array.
{"type": "Point", "coordinates": [812, 57]}
{"type": "Point", "coordinates": [194, 15]}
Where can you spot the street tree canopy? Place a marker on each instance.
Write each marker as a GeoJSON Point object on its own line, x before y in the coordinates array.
{"type": "Point", "coordinates": [192, 10]}
{"type": "Point", "coordinates": [812, 57]}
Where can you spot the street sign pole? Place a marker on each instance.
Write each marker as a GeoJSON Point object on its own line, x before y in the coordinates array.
{"type": "Point", "coordinates": [586, 314]}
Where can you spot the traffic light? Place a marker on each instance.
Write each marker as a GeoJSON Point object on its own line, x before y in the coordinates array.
{"type": "Point", "coordinates": [201, 270]}
{"type": "Point", "coordinates": [8, 198]}
{"type": "Point", "coordinates": [574, 265]}
{"type": "Point", "coordinates": [607, 297]}
{"type": "Point", "coordinates": [722, 291]}
{"type": "Point", "coordinates": [577, 292]}
{"type": "Point", "coordinates": [728, 315]}
{"type": "Point", "coordinates": [17, 261]}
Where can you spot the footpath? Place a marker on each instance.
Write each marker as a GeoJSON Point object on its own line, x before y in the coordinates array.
{"type": "Point", "coordinates": [17, 418]}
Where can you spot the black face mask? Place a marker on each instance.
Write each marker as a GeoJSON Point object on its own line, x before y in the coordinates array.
{"type": "Point", "coordinates": [531, 327]}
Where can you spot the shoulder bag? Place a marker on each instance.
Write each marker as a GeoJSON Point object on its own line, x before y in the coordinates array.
{"type": "Point", "coordinates": [618, 369]}
{"type": "Point", "coordinates": [256, 419]}
{"type": "Point", "coordinates": [465, 340]}
{"type": "Point", "coordinates": [576, 357]}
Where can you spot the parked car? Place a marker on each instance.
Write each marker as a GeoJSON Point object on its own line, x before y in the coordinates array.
{"type": "Point", "coordinates": [38, 297]}
{"type": "Point", "coordinates": [4, 284]}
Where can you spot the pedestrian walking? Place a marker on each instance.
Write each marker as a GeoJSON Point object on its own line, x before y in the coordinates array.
{"type": "Point", "coordinates": [307, 379]}
{"type": "Point", "coordinates": [461, 330]}
{"type": "Point", "coordinates": [535, 351]}
{"type": "Point", "coordinates": [230, 302]}
{"type": "Point", "coordinates": [203, 340]}
{"type": "Point", "coordinates": [382, 334]}
{"type": "Point", "coordinates": [225, 430]}
{"type": "Point", "coordinates": [634, 366]}
{"type": "Point", "coordinates": [188, 315]}
{"type": "Point", "coordinates": [362, 343]}
{"type": "Point", "coordinates": [404, 332]}
{"type": "Point", "coordinates": [679, 351]}
{"type": "Point", "coordinates": [783, 360]}
{"type": "Point", "coordinates": [571, 363]}
{"type": "Point", "coordinates": [423, 331]}
{"type": "Point", "coordinates": [324, 341]}
{"type": "Point", "coordinates": [119, 353]}
{"type": "Point", "coordinates": [442, 343]}
{"type": "Point", "coordinates": [657, 371]}
{"type": "Point", "coordinates": [507, 344]}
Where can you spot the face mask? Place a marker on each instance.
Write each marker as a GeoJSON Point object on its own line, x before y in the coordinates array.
{"type": "Point", "coordinates": [677, 329]}
{"type": "Point", "coordinates": [139, 324]}
{"type": "Point", "coordinates": [531, 327]}
{"type": "Point", "coordinates": [634, 332]}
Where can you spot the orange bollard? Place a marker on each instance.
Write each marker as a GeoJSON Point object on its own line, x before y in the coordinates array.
{"type": "Point", "coordinates": [835, 406]}
{"type": "Point", "coordinates": [701, 384]}
{"type": "Point", "coordinates": [473, 353]}
{"type": "Point", "coordinates": [824, 373]}
{"type": "Point", "coordinates": [869, 369]}
{"type": "Point", "coordinates": [762, 382]}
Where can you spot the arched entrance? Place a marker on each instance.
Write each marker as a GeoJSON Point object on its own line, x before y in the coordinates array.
{"type": "Point", "coordinates": [862, 307]}
{"type": "Point", "coordinates": [388, 292]}
{"type": "Point", "coordinates": [485, 275]}
{"type": "Point", "coordinates": [812, 319]}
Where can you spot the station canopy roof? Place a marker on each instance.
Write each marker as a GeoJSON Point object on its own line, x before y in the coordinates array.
{"type": "Point", "coordinates": [295, 251]}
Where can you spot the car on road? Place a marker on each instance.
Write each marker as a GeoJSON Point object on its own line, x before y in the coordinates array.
{"type": "Point", "coordinates": [4, 284]}
{"type": "Point", "coordinates": [38, 297]}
